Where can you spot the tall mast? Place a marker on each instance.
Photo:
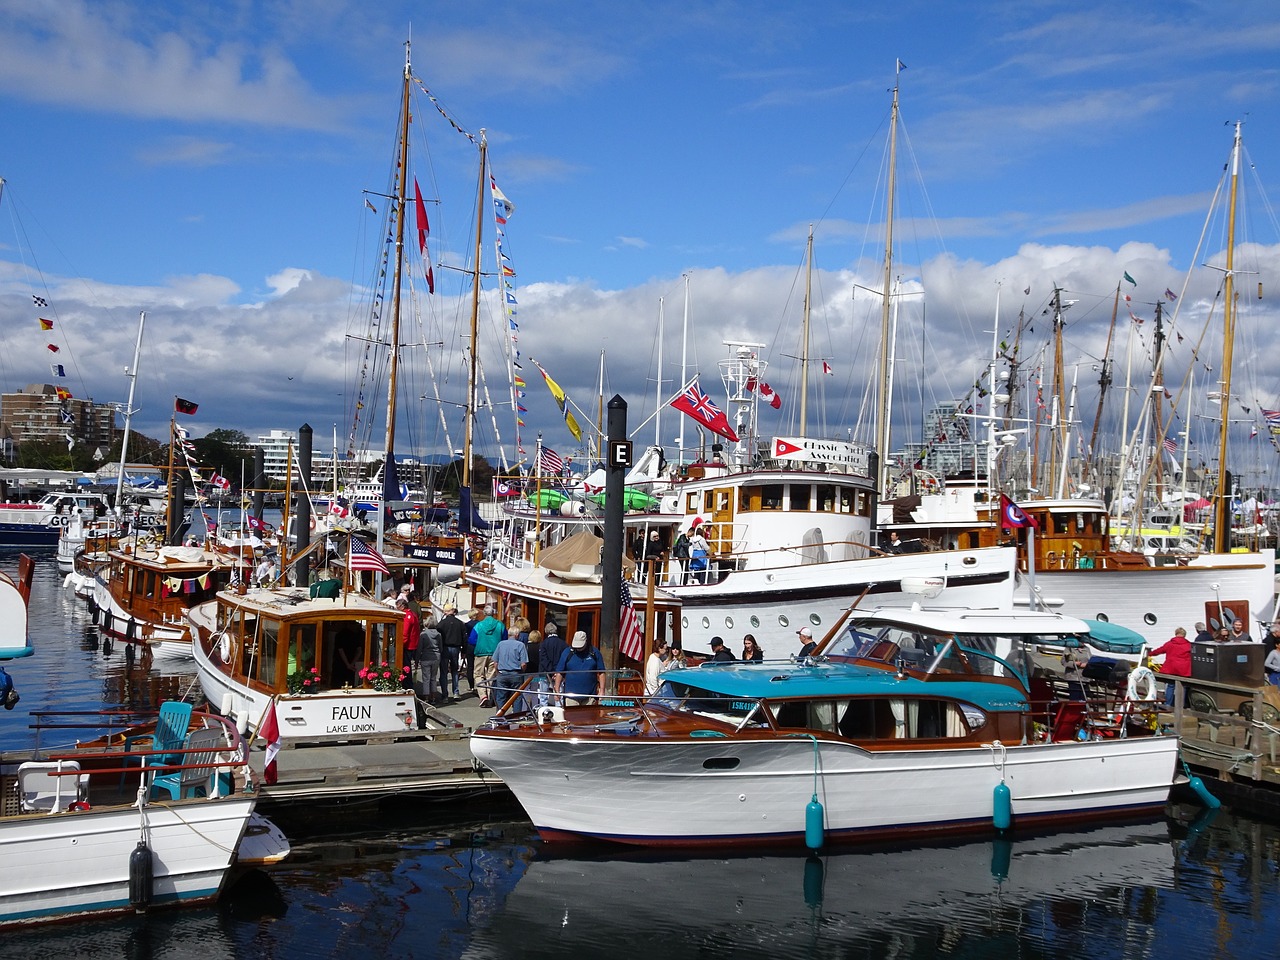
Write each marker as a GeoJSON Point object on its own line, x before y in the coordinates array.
{"type": "Point", "coordinates": [128, 416]}
{"type": "Point", "coordinates": [657, 399]}
{"type": "Point", "coordinates": [684, 359]}
{"type": "Point", "coordinates": [804, 345]}
{"type": "Point", "coordinates": [393, 362]}
{"type": "Point", "coordinates": [1058, 425]}
{"type": "Point", "coordinates": [475, 318]}
{"type": "Point", "coordinates": [1104, 381]}
{"type": "Point", "coordinates": [1222, 503]}
{"type": "Point", "coordinates": [1157, 401]}
{"type": "Point", "coordinates": [882, 408]}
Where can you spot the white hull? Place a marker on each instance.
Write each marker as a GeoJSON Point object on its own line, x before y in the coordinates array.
{"type": "Point", "coordinates": [779, 601]}
{"type": "Point", "coordinates": [78, 864]}
{"type": "Point", "coordinates": [660, 792]}
{"type": "Point", "coordinates": [167, 641]}
{"type": "Point", "coordinates": [1156, 600]}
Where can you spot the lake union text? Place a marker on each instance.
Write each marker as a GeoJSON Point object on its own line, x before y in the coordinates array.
{"type": "Point", "coordinates": [345, 719]}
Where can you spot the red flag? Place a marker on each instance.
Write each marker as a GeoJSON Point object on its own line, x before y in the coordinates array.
{"type": "Point", "coordinates": [701, 407]}
{"type": "Point", "coordinates": [184, 406]}
{"type": "Point", "coordinates": [270, 732]}
{"type": "Point", "coordinates": [766, 392]}
{"type": "Point", "coordinates": [53, 347]}
{"type": "Point", "coordinates": [421, 209]}
{"type": "Point", "coordinates": [1012, 515]}
{"type": "Point", "coordinates": [46, 324]}
{"type": "Point", "coordinates": [826, 368]}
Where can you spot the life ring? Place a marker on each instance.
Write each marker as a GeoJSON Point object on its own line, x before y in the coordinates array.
{"type": "Point", "coordinates": [224, 648]}
{"type": "Point", "coordinates": [1050, 558]}
{"type": "Point", "coordinates": [1142, 684]}
{"type": "Point", "coordinates": [313, 522]}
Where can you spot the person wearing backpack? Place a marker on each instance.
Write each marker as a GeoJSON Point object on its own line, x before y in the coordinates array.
{"type": "Point", "coordinates": [680, 550]}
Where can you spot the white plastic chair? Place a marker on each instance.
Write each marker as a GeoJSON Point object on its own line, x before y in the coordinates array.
{"type": "Point", "coordinates": [41, 789]}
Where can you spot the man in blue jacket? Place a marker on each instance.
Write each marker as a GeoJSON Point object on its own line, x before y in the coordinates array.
{"type": "Point", "coordinates": [580, 672]}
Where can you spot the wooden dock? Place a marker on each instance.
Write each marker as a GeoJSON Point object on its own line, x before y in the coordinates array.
{"type": "Point", "coordinates": [1230, 737]}
{"type": "Point", "coordinates": [433, 761]}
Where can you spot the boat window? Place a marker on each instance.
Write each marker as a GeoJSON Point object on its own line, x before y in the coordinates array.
{"type": "Point", "coordinates": [800, 494]}
{"type": "Point", "coordinates": [771, 496]}
{"type": "Point", "coordinates": [826, 497]}
{"type": "Point", "coordinates": [692, 699]}
{"type": "Point", "coordinates": [302, 648]}
{"type": "Point", "coordinates": [264, 666]}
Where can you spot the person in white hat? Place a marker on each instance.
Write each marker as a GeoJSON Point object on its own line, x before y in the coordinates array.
{"type": "Point", "coordinates": [580, 672]}
{"type": "Point", "coordinates": [807, 641]}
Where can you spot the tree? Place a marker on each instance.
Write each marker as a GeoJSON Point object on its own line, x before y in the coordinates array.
{"type": "Point", "coordinates": [226, 451]}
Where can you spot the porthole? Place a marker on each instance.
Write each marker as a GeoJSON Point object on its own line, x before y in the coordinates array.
{"type": "Point", "coordinates": [706, 623]}
{"type": "Point", "coordinates": [815, 620]}
{"type": "Point", "coordinates": [1102, 616]}
{"type": "Point", "coordinates": [783, 620]}
{"type": "Point", "coordinates": [755, 622]}
{"type": "Point", "coordinates": [720, 763]}
{"type": "Point", "coordinates": [1149, 619]}
{"type": "Point", "coordinates": [684, 622]}
{"type": "Point", "coordinates": [728, 623]}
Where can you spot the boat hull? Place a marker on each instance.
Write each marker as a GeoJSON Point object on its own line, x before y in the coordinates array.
{"type": "Point", "coordinates": [58, 867]}
{"type": "Point", "coordinates": [719, 791]}
{"type": "Point", "coordinates": [1153, 601]}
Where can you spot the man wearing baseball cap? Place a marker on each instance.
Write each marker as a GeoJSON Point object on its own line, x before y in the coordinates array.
{"type": "Point", "coordinates": [806, 638]}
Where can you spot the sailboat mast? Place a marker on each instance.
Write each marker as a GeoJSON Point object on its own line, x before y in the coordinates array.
{"type": "Point", "coordinates": [882, 408]}
{"type": "Point", "coordinates": [657, 399]}
{"type": "Point", "coordinates": [1104, 381]}
{"type": "Point", "coordinates": [1058, 425]}
{"type": "Point", "coordinates": [128, 416]}
{"type": "Point", "coordinates": [473, 360]}
{"type": "Point", "coordinates": [1157, 402]}
{"type": "Point", "coordinates": [393, 361]}
{"type": "Point", "coordinates": [1222, 502]}
{"type": "Point", "coordinates": [804, 345]}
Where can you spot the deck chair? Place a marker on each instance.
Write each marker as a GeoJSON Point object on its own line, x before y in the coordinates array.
{"type": "Point", "coordinates": [170, 732]}
{"type": "Point", "coordinates": [1068, 721]}
{"type": "Point", "coordinates": [1207, 713]}
{"type": "Point", "coordinates": [41, 789]}
{"type": "Point", "coordinates": [193, 781]}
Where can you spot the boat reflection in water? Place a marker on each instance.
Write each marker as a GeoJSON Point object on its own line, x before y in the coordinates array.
{"type": "Point", "coordinates": [919, 902]}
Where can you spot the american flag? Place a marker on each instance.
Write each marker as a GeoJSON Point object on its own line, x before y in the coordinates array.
{"type": "Point", "coordinates": [1171, 444]}
{"type": "Point", "coordinates": [551, 462]}
{"type": "Point", "coordinates": [630, 637]}
{"type": "Point", "coordinates": [1272, 416]}
{"type": "Point", "coordinates": [364, 557]}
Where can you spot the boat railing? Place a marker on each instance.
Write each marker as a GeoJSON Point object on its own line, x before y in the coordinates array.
{"type": "Point", "coordinates": [112, 751]}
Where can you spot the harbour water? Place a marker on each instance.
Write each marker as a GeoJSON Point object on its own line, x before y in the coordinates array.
{"type": "Point", "coordinates": [425, 880]}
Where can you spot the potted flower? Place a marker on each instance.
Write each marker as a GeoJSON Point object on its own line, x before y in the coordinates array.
{"type": "Point", "coordinates": [384, 677]}
{"type": "Point", "coordinates": [304, 681]}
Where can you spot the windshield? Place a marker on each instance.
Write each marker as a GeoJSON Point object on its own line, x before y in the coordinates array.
{"type": "Point", "coordinates": [897, 645]}
{"type": "Point", "coordinates": [687, 698]}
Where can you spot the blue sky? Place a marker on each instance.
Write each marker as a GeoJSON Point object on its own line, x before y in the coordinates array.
{"type": "Point", "coordinates": [206, 162]}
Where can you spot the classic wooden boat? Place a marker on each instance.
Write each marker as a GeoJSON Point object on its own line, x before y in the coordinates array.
{"type": "Point", "coordinates": [143, 594]}
{"type": "Point", "coordinates": [915, 722]}
{"type": "Point", "coordinates": [332, 665]}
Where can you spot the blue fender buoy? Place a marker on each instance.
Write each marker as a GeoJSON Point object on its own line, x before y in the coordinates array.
{"type": "Point", "coordinates": [1002, 806]}
{"type": "Point", "coordinates": [140, 877]}
{"type": "Point", "coordinates": [813, 824]}
{"type": "Point", "coordinates": [1201, 791]}
{"type": "Point", "coordinates": [813, 876]}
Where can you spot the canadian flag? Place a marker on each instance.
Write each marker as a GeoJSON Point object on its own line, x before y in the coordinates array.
{"type": "Point", "coordinates": [826, 368]}
{"type": "Point", "coordinates": [221, 482]}
{"type": "Point", "coordinates": [270, 732]}
{"type": "Point", "coordinates": [766, 392]}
